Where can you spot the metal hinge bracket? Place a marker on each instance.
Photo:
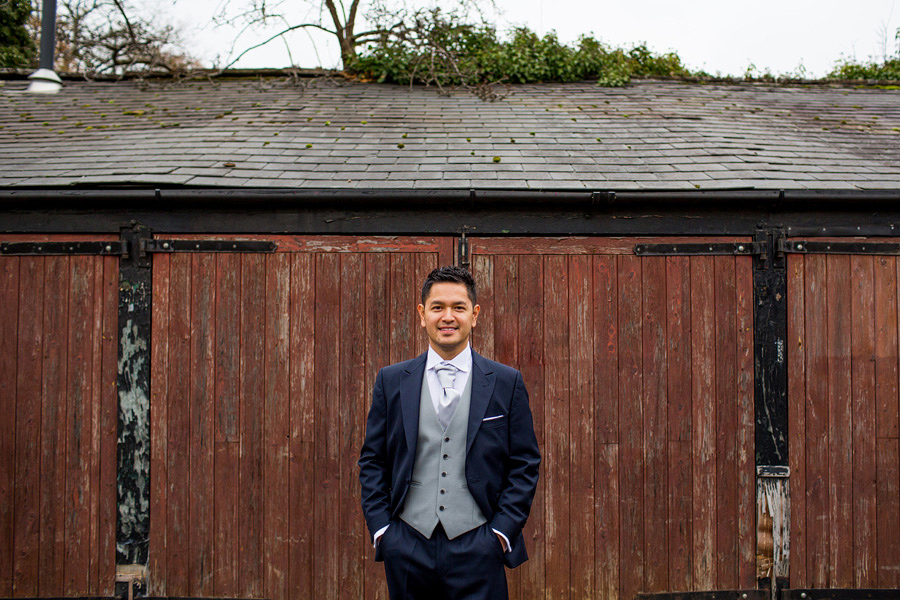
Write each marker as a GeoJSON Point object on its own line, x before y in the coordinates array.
{"type": "Point", "coordinates": [111, 248]}
{"type": "Point", "coordinates": [150, 246]}
{"type": "Point", "coordinates": [855, 247]}
{"type": "Point", "coordinates": [703, 249]}
{"type": "Point", "coordinates": [462, 256]}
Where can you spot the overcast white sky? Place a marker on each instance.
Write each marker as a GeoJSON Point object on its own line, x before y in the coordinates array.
{"type": "Point", "coordinates": [719, 36]}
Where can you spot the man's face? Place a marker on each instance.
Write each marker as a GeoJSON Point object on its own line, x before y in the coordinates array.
{"type": "Point", "coordinates": [448, 318]}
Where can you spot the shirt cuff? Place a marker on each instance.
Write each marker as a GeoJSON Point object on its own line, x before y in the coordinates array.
{"type": "Point", "coordinates": [380, 533]}
{"type": "Point", "coordinates": [501, 534]}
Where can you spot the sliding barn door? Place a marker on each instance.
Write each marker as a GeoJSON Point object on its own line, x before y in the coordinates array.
{"type": "Point", "coordinates": [262, 370]}
{"type": "Point", "coordinates": [640, 376]}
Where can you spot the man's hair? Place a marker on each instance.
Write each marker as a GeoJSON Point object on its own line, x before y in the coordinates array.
{"type": "Point", "coordinates": [450, 274]}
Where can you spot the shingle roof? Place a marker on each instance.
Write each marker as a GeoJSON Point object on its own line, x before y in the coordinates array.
{"type": "Point", "coordinates": [324, 133]}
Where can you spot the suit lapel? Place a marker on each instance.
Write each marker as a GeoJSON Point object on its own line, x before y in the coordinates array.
{"type": "Point", "coordinates": [410, 398]}
{"type": "Point", "coordinates": [483, 379]}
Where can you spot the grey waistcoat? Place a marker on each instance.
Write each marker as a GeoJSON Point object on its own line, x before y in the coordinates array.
{"type": "Point", "coordinates": [437, 490]}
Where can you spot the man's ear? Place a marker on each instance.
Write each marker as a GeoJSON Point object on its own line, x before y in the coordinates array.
{"type": "Point", "coordinates": [475, 310]}
{"type": "Point", "coordinates": [421, 309]}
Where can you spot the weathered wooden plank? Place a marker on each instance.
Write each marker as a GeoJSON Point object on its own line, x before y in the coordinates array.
{"type": "Point", "coordinates": [425, 264]}
{"type": "Point", "coordinates": [606, 517]}
{"type": "Point", "coordinates": [678, 395]}
{"type": "Point", "coordinates": [678, 344]}
{"type": "Point", "coordinates": [796, 368]}
{"type": "Point", "coordinates": [483, 272]}
{"type": "Point", "coordinates": [78, 414]}
{"type": "Point", "coordinates": [277, 427]}
{"type": "Point", "coordinates": [556, 414]}
{"type": "Point", "coordinates": [581, 425]}
{"type": "Point", "coordinates": [632, 560]}
{"type": "Point", "coordinates": [326, 573]}
{"type": "Point", "coordinates": [226, 556]}
{"type": "Point", "coordinates": [888, 512]}
{"type": "Point", "coordinates": [96, 372]}
{"type": "Point", "coordinates": [726, 425]}
{"type": "Point", "coordinates": [578, 245]}
{"type": "Point", "coordinates": [303, 434]}
{"type": "Point", "coordinates": [746, 433]}
{"type": "Point", "coordinates": [377, 342]}
{"type": "Point", "coordinates": [350, 419]}
{"type": "Point", "coordinates": [679, 506]}
{"type": "Point", "coordinates": [655, 424]}
{"type": "Point", "coordinates": [9, 313]}
{"type": "Point", "coordinates": [703, 421]}
{"type": "Point", "coordinates": [26, 506]}
{"type": "Point", "coordinates": [530, 576]}
{"type": "Point", "coordinates": [159, 462]}
{"type": "Point", "coordinates": [202, 443]}
{"type": "Point", "coordinates": [817, 431]}
{"type": "Point", "coordinates": [108, 426]}
{"type": "Point", "coordinates": [840, 415]}
{"type": "Point", "coordinates": [887, 274]}
{"type": "Point", "coordinates": [250, 495]}
{"type": "Point", "coordinates": [606, 339]}
{"type": "Point", "coordinates": [352, 243]}
{"type": "Point", "coordinates": [179, 428]}
{"type": "Point", "coordinates": [862, 356]}
{"type": "Point", "coordinates": [54, 425]}
{"type": "Point", "coordinates": [406, 292]}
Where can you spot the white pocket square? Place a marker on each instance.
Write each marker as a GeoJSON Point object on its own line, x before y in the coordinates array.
{"type": "Point", "coordinates": [492, 418]}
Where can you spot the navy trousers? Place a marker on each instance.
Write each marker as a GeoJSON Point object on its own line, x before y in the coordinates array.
{"type": "Point", "coordinates": [468, 567]}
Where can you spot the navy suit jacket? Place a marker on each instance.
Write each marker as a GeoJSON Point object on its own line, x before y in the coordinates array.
{"type": "Point", "coordinates": [502, 454]}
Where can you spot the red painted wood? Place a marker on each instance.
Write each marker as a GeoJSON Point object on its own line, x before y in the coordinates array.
{"type": "Point", "coordinates": [202, 418]}
{"type": "Point", "coordinates": [678, 396]}
{"type": "Point", "coordinates": [655, 424]}
{"type": "Point", "coordinates": [556, 464]}
{"type": "Point", "coordinates": [726, 425]}
{"type": "Point", "coordinates": [862, 355]}
{"type": "Point", "coordinates": [9, 318]}
{"type": "Point", "coordinates": [78, 439]}
{"type": "Point", "coordinates": [483, 272]}
{"type": "Point", "coordinates": [568, 246]}
{"type": "Point", "coordinates": [746, 427]}
{"type": "Point", "coordinates": [377, 343]}
{"type": "Point", "coordinates": [303, 432]}
{"type": "Point", "coordinates": [351, 418]}
{"type": "Point", "coordinates": [328, 390]}
{"type": "Point", "coordinates": [26, 503]}
{"type": "Point", "coordinates": [406, 292]}
{"type": "Point", "coordinates": [607, 521]}
{"type": "Point", "coordinates": [252, 390]}
{"type": "Point", "coordinates": [178, 428]}
{"type": "Point", "coordinates": [530, 577]}
{"type": "Point", "coordinates": [226, 553]}
{"type": "Point", "coordinates": [796, 376]}
{"type": "Point", "coordinates": [96, 407]}
{"type": "Point", "coordinates": [703, 422]}
{"type": "Point", "coordinates": [159, 370]}
{"type": "Point", "coordinates": [632, 560]}
{"type": "Point", "coordinates": [840, 418]}
{"type": "Point", "coordinates": [54, 425]}
{"type": "Point", "coordinates": [606, 341]}
{"type": "Point", "coordinates": [109, 404]}
{"type": "Point", "coordinates": [888, 517]}
{"type": "Point", "coordinates": [817, 430]}
{"type": "Point", "coordinates": [581, 425]}
{"type": "Point", "coordinates": [887, 274]}
{"type": "Point", "coordinates": [275, 559]}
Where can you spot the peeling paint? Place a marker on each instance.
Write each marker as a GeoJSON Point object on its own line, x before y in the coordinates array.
{"type": "Point", "coordinates": [773, 528]}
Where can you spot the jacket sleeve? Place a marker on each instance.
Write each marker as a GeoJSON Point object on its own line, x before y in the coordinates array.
{"type": "Point", "coordinates": [374, 476]}
{"type": "Point", "coordinates": [524, 458]}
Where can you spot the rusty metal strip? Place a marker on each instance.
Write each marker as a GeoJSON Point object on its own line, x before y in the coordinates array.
{"type": "Point", "coordinates": [702, 249]}
{"type": "Point", "coordinates": [111, 248]}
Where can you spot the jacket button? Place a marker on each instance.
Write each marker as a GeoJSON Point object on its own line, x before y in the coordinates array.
{"type": "Point", "coordinates": [442, 508]}
{"type": "Point", "coordinates": [446, 456]}
{"type": "Point", "coordinates": [446, 439]}
{"type": "Point", "coordinates": [444, 474]}
{"type": "Point", "coordinates": [443, 491]}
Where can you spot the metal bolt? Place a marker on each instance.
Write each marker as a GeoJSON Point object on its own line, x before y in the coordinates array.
{"type": "Point", "coordinates": [109, 248]}
{"type": "Point", "coordinates": [803, 594]}
{"type": "Point", "coordinates": [799, 246]}
{"type": "Point", "coordinates": [741, 249]}
{"type": "Point", "coordinates": [165, 244]}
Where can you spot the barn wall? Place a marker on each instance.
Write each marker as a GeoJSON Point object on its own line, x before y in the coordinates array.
{"type": "Point", "coordinates": [843, 398]}
{"type": "Point", "coordinates": [58, 346]}
{"type": "Point", "coordinates": [640, 377]}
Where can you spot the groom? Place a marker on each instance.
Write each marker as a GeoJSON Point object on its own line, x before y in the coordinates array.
{"type": "Point", "coordinates": [450, 461]}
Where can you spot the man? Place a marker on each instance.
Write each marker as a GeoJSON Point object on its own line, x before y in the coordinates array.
{"type": "Point", "coordinates": [450, 461]}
